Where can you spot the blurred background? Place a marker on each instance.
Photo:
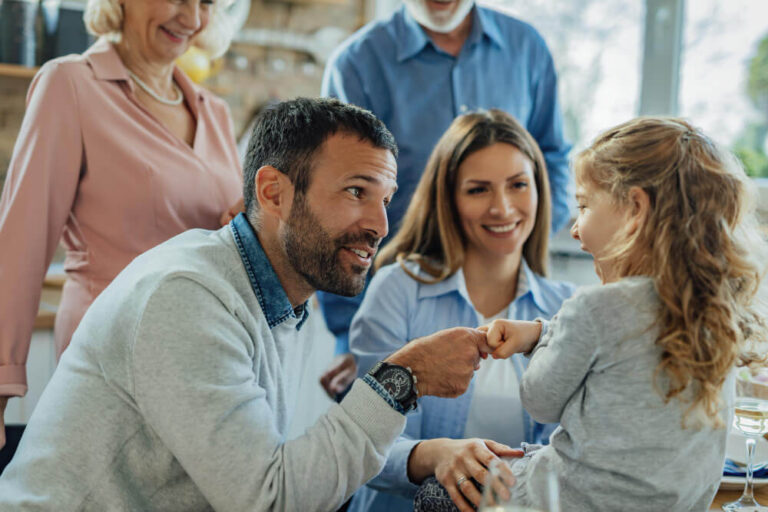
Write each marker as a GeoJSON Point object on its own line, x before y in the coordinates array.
{"type": "Point", "coordinates": [706, 60]}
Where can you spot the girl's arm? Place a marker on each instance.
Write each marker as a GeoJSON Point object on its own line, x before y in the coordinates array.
{"type": "Point", "coordinates": [559, 364]}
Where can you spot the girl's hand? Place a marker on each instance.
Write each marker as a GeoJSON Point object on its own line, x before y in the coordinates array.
{"type": "Point", "coordinates": [455, 462]}
{"type": "Point", "coordinates": [232, 212]}
{"type": "Point", "coordinates": [509, 337]}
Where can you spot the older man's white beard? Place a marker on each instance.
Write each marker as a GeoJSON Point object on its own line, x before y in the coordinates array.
{"type": "Point", "coordinates": [438, 22]}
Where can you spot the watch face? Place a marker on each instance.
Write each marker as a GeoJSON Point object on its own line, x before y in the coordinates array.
{"type": "Point", "coordinates": [396, 381]}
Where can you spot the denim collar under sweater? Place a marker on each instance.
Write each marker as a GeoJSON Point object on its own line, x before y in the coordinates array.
{"type": "Point", "coordinates": [265, 283]}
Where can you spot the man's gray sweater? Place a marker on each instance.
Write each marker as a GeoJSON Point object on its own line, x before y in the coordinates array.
{"type": "Point", "coordinates": [177, 392]}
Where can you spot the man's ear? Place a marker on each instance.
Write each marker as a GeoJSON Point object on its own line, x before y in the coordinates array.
{"type": "Point", "coordinates": [274, 191]}
{"type": "Point", "coordinates": [639, 205]}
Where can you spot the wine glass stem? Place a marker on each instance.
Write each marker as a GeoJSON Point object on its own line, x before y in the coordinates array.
{"type": "Point", "coordinates": [751, 443]}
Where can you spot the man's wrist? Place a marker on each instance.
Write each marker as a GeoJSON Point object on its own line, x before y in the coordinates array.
{"type": "Point", "coordinates": [383, 393]}
{"type": "Point", "coordinates": [413, 366]}
{"type": "Point", "coordinates": [398, 381]}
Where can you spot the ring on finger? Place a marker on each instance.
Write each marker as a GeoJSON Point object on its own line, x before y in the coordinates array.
{"type": "Point", "coordinates": [461, 481]}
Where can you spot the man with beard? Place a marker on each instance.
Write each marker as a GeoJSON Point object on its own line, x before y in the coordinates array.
{"type": "Point", "coordinates": [180, 383]}
{"type": "Point", "coordinates": [431, 61]}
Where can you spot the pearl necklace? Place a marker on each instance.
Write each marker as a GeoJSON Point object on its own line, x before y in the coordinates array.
{"type": "Point", "coordinates": [148, 90]}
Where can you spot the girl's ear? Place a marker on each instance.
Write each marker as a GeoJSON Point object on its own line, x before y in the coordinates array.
{"type": "Point", "coordinates": [639, 207]}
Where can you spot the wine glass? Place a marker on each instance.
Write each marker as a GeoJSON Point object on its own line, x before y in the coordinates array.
{"type": "Point", "coordinates": [498, 495]}
{"type": "Point", "coordinates": [751, 419]}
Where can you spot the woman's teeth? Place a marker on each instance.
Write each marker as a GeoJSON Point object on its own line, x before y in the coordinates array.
{"type": "Point", "coordinates": [502, 229]}
{"type": "Point", "coordinates": [174, 34]}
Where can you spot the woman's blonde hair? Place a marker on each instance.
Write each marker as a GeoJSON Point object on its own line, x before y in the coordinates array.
{"type": "Point", "coordinates": [699, 243]}
{"type": "Point", "coordinates": [431, 234]}
{"type": "Point", "coordinates": [105, 18]}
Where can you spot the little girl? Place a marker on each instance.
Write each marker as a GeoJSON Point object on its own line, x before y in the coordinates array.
{"type": "Point", "coordinates": [638, 370]}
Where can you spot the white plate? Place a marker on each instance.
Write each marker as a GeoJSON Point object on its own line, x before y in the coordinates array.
{"type": "Point", "coordinates": [736, 483]}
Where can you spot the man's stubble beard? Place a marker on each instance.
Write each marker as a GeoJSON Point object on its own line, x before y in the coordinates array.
{"type": "Point", "coordinates": [315, 255]}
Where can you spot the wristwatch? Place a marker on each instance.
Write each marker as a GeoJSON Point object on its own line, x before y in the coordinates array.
{"type": "Point", "coordinates": [399, 382]}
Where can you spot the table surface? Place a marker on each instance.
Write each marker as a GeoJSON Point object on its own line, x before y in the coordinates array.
{"type": "Point", "coordinates": [761, 494]}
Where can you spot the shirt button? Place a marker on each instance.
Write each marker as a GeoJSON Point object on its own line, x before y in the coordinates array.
{"type": "Point", "coordinates": [463, 108]}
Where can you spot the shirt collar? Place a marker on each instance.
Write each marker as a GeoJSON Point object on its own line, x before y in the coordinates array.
{"type": "Point", "coordinates": [107, 65]}
{"type": "Point", "coordinates": [264, 281]}
{"type": "Point", "coordinates": [487, 26]}
{"type": "Point", "coordinates": [105, 61]}
{"type": "Point", "coordinates": [528, 283]}
{"type": "Point", "coordinates": [412, 38]}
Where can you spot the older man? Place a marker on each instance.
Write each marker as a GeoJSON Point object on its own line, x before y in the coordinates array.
{"type": "Point", "coordinates": [431, 61]}
{"type": "Point", "coordinates": [181, 382]}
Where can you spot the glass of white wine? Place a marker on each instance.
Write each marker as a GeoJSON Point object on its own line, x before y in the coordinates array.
{"type": "Point", "coordinates": [751, 419]}
{"type": "Point", "coordinates": [498, 495]}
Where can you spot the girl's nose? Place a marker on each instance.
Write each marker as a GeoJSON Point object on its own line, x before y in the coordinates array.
{"type": "Point", "coordinates": [575, 230]}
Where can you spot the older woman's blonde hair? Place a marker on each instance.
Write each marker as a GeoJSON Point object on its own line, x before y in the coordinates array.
{"type": "Point", "coordinates": [105, 18]}
{"type": "Point", "coordinates": [431, 233]}
{"type": "Point", "coordinates": [699, 243]}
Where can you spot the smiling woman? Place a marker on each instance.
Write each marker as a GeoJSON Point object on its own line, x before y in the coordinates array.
{"type": "Point", "coordinates": [118, 151]}
{"type": "Point", "coordinates": [106, 18]}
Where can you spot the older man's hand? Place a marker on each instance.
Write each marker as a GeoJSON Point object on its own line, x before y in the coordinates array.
{"type": "Point", "coordinates": [443, 362]}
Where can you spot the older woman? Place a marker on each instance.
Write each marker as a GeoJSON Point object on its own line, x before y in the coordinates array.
{"type": "Point", "coordinates": [472, 248]}
{"type": "Point", "coordinates": [118, 151]}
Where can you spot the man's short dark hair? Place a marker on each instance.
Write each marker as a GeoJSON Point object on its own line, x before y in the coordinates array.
{"type": "Point", "coordinates": [286, 136]}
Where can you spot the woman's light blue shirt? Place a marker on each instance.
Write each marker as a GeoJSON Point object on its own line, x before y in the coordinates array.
{"type": "Point", "coordinates": [396, 309]}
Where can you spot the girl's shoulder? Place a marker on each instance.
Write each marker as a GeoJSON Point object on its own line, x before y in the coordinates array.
{"type": "Point", "coordinates": [627, 296]}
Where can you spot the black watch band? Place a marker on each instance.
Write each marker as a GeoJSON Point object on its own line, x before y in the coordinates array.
{"type": "Point", "coordinates": [399, 382]}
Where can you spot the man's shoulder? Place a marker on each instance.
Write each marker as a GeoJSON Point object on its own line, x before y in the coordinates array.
{"type": "Point", "coordinates": [510, 27]}
{"type": "Point", "coordinates": [374, 37]}
{"type": "Point", "coordinates": [208, 258]}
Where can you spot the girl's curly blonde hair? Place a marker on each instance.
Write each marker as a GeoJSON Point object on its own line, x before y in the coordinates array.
{"type": "Point", "coordinates": [105, 18]}
{"type": "Point", "coordinates": [700, 244]}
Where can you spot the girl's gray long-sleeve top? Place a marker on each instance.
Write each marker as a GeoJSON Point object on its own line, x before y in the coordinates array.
{"type": "Point", "coordinates": [619, 445]}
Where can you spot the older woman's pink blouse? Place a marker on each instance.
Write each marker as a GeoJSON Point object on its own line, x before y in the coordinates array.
{"type": "Point", "coordinates": [95, 170]}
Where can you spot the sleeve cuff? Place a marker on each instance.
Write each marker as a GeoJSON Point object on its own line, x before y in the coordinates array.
{"type": "Point", "coordinates": [378, 419]}
{"type": "Point", "coordinates": [13, 380]}
{"type": "Point", "coordinates": [383, 393]}
{"type": "Point", "coordinates": [542, 337]}
{"type": "Point", "coordinates": [394, 477]}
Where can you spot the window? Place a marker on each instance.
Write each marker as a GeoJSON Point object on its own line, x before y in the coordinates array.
{"type": "Point", "coordinates": [597, 48]}
{"type": "Point", "coordinates": [724, 76]}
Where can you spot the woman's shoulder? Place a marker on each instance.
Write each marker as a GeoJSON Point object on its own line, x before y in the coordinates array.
{"type": "Point", "coordinates": [395, 274]}
{"type": "Point", "coordinates": [549, 293]}
{"type": "Point", "coordinates": [562, 289]}
{"type": "Point", "coordinates": [71, 67]}
{"type": "Point", "coordinates": [400, 279]}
